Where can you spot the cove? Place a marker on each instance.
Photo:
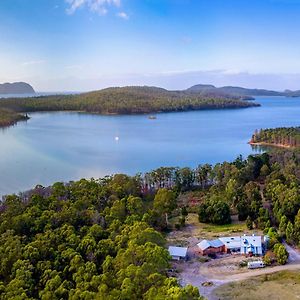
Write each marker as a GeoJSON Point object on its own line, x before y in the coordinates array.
{"type": "Point", "coordinates": [64, 146]}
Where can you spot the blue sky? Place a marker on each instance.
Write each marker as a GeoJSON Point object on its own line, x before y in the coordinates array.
{"type": "Point", "coordinates": [90, 44]}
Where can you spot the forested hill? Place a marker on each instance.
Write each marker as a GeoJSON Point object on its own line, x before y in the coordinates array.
{"type": "Point", "coordinates": [239, 91]}
{"type": "Point", "coordinates": [125, 100]}
{"type": "Point", "coordinates": [283, 137]}
{"type": "Point", "coordinates": [16, 88]}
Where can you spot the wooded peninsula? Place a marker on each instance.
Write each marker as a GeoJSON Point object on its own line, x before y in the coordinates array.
{"type": "Point", "coordinates": [125, 100]}
{"type": "Point", "coordinates": [288, 137]}
{"type": "Point", "coordinates": [8, 117]}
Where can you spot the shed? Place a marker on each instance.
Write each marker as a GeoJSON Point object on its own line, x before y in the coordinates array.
{"type": "Point", "coordinates": [178, 253]}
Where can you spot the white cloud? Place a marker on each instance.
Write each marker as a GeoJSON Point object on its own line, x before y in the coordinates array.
{"type": "Point", "coordinates": [98, 6]}
{"type": "Point", "coordinates": [33, 62]}
{"type": "Point", "coordinates": [123, 15]}
{"type": "Point", "coordinates": [232, 71]}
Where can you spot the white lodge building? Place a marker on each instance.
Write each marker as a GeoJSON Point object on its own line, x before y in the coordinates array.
{"type": "Point", "coordinates": [251, 244]}
{"type": "Point", "coordinates": [246, 244]}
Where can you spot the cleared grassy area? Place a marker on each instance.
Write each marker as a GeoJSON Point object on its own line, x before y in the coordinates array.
{"type": "Point", "coordinates": [280, 285]}
{"type": "Point", "coordinates": [228, 228]}
{"type": "Point", "coordinates": [194, 230]}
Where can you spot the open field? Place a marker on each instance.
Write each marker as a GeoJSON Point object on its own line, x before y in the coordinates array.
{"type": "Point", "coordinates": [280, 285]}
{"type": "Point", "coordinates": [194, 231]}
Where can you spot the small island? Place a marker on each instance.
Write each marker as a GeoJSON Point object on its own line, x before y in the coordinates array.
{"type": "Point", "coordinates": [286, 137]}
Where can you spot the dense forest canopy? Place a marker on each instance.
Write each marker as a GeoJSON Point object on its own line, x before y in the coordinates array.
{"type": "Point", "coordinates": [104, 239]}
{"type": "Point", "coordinates": [284, 136]}
{"type": "Point", "coordinates": [86, 240]}
{"type": "Point", "coordinates": [127, 100]}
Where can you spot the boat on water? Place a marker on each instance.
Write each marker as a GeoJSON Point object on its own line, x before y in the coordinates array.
{"type": "Point", "coordinates": [152, 117]}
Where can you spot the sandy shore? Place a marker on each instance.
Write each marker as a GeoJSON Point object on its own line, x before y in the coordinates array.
{"type": "Point", "coordinates": [271, 145]}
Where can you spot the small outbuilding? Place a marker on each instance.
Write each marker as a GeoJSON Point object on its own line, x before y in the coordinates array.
{"type": "Point", "coordinates": [207, 247]}
{"type": "Point", "coordinates": [178, 253]}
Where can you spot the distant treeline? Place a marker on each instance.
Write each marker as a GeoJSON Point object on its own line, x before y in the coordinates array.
{"type": "Point", "coordinates": [8, 117]}
{"type": "Point", "coordinates": [287, 137]}
{"type": "Point", "coordinates": [126, 100]}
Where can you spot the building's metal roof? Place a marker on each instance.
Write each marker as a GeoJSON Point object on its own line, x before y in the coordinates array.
{"type": "Point", "coordinates": [235, 242]}
{"type": "Point", "coordinates": [177, 251]}
{"type": "Point", "coordinates": [204, 244]}
{"type": "Point", "coordinates": [231, 242]}
{"type": "Point", "coordinates": [207, 244]}
{"type": "Point", "coordinates": [216, 243]}
{"type": "Point", "coordinates": [251, 240]}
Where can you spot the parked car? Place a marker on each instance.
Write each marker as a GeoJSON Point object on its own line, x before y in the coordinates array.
{"type": "Point", "coordinates": [256, 264]}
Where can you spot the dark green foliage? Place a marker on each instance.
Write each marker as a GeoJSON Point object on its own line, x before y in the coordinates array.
{"type": "Point", "coordinates": [249, 223]}
{"type": "Point", "coordinates": [281, 254]}
{"type": "Point", "coordinates": [86, 240]}
{"type": "Point", "coordinates": [285, 136]}
{"type": "Point", "coordinates": [98, 239]}
{"type": "Point", "coordinates": [164, 203]}
{"type": "Point", "coordinates": [214, 211]}
{"type": "Point", "coordinates": [126, 100]}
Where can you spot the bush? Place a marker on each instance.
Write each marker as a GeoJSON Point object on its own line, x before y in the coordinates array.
{"type": "Point", "coordinates": [267, 259]}
{"type": "Point", "coordinates": [203, 259]}
{"type": "Point", "coordinates": [243, 264]}
{"type": "Point", "coordinates": [249, 223]}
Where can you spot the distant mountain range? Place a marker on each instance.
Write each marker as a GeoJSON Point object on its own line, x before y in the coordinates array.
{"type": "Point", "coordinates": [204, 90]}
{"type": "Point", "coordinates": [16, 88]}
{"type": "Point", "coordinates": [238, 91]}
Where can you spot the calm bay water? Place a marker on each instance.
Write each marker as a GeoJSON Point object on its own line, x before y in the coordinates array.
{"type": "Point", "coordinates": [54, 147]}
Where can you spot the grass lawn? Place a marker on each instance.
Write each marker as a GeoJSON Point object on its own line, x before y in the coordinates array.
{"type": "Point", "coordinates": [276, 286]}
{"type": "Point", "coordinates": [196, 230]}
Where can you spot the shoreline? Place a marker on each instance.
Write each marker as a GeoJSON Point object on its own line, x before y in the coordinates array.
{"type": "Point", "coordinates": [271, 145]}
{"type": "Point", "coordinates": [144, 113]}
{"type": "Point", "coordinates": [14, 120]}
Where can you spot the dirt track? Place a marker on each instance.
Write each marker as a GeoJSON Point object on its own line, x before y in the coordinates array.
{"type": "Point", "coordinates": [225, 270]}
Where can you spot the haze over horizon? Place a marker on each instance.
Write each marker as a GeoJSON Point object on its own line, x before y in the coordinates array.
{"type": "Point", "coordinates": [81, 45]}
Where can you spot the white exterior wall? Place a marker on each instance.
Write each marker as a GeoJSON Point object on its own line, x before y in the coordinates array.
{"type": "Point", "coordinates": [175, 257]}
{"type": "Point", "coordinates": [256, 250]}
